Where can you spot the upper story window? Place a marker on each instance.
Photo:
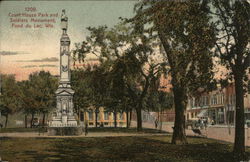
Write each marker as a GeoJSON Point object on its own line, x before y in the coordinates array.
{"type": "Point", "coordinates": [214, 99]}
{"type": "Point", "coordinates": [219, 98]}
{"type": "Point", "coordinates": [204, 101]}
{"type": "Point", "coordinates": [222, 98]}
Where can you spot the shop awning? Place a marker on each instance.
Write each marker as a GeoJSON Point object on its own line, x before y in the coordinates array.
{"type": "Point", "coordinates": [203, 113]}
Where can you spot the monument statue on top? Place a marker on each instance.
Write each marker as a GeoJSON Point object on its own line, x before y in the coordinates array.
{"type": "Point", "coordinates": [64, 21]}
{"type": "Point", "coordinates": [64, 118]}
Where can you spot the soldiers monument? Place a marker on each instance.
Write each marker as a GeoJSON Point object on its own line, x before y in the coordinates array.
{"type": "Point", "coordinates": [64, 122]}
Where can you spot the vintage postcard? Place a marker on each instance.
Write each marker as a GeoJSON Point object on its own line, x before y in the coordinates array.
{"type": "Point", "coordinates": [125, 80]}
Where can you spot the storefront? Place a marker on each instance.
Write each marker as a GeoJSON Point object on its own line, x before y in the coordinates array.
{"type": "Point", "coordinates": [216, 115]}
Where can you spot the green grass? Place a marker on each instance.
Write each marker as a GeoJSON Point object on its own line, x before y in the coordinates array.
{"type": "Point", "coordinates": [92, 129]}
{"type": "Point", "coordinates": [153, 148]}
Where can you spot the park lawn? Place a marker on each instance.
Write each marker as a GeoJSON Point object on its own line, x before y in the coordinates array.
{"type": "Point", "coordinates": [91, 129]}
{"type": "Point", "coordinates": [13, 130]}
{"type": "Point", "coordinates": [151, 148]}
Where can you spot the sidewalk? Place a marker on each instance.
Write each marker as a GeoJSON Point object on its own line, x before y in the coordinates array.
{"type": "Point", "coordinates": [219, 132]}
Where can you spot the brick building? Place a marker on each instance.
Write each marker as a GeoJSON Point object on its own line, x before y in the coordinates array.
{"type": "Point", "coordinates": [218, 105]}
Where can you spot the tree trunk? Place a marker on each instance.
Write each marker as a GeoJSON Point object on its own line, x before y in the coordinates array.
{"type": "Point", "coordinates": [79, 114]}
{"type": "Point", "coordinates": [139, 118]}
{"type": "Point", "coordinates": [127, 118]}
{"type": "Point", "coordinates": [6, 120]}
{"type": "Point", "coordinates": [25, 121]}
{"type": "Point", "coordinates": [31, 121]}
{"type": "Point", "coordinates": [239, 139]}
{"type": "Point", "coordinates": [115, 119]}
{"type": "Point", "coordinates": [160, 121]}
{"type": "Point", "coordinates": [43, 119]}
{"type": "Point", "coordinates": [96, 116]}
{"type": "Point", "coordinates": [179, 135]}
{"type": "Point", "coordinates": [130, 116]}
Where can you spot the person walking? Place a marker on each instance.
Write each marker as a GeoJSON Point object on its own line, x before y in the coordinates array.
{"type": "Point", "coordinates": [156, 123]}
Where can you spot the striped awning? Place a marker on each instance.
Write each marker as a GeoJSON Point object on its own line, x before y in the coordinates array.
{"type": "Point", "coordinates": [203, 113]}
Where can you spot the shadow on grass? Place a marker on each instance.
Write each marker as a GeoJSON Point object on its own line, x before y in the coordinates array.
{"type": "Point", "coordinates": [14, 130]}
{"type": "Point", "coordinates": [124, 130]}
{"type": "Point", "coordinates": [153, 148]}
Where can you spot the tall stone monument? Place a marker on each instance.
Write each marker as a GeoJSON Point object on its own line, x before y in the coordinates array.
{"type": "Point", "coordinates": [63, 121]}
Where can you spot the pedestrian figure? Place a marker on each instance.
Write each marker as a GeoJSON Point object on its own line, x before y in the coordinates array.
{"type": "Point", "coordinates": [86, 128]}
{"type": "Point", "coordinates": [205, 123]}
{"type": "Point", "coordinates": [212, 122]}
{"type": "Point", "coordinates": [156, 123]}
{"type": "Point", "coordinates": [201, 124]}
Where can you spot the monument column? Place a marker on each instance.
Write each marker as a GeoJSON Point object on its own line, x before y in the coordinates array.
{"type": "Point", "coordinates": [64, 94]}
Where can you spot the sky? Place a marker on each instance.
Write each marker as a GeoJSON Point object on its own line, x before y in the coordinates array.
{"type": "Point", "coordinates": [26, 50]}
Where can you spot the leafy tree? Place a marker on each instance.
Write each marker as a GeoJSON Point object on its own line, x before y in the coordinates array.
{"type": "Point", "coordinates": [25, 100]}
{"type": "Point", "coordinates": [81, 80]}
{"type": "Point", "coordinates": [126, 56]}
{"type": "Point", "coordinates": [38, 94]}
{"type": "Point", "coordinates": [187, 38]}
{"type": "Point", "coordinates": [232, 47]}
{"type": "Point", "coordinates": [10, 99]}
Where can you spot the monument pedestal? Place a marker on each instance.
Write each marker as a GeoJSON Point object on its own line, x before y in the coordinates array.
{"type": "Point", "coordinates": [65, 131]}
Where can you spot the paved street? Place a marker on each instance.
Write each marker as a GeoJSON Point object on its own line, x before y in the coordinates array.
{"type": "Point", "coordinates": [219, 132]}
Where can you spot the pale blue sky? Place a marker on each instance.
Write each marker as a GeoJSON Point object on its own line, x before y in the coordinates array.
{"type": "Point", "coordinates": [43, 43]}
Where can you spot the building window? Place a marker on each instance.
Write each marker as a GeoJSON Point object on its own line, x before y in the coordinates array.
{"type": "Point", "coordinates": [214, 100]}
{"type": "Point", "coordinates": [98, 115]}
{"type": "Point", "coordinates": [207, 100]}
{"type": "Point", "coordinates": [113, 116]}
{"type": "Point", "coordinates": [204, 101]}
{"type": "Point", "coordinates": [219, 98]}
{"type": "Point", "coordinates": [196, 102]}
{"type": "Point", "coordinates": [201, 101]}
{"type": "Point", "coordinates": [90, 115]}
{"type": "Point", "coordinates": [106, 115]}
{"type": "Point", "coordinates": [121, 116]}
{"type": "Point", "coordinates": [192, 102]}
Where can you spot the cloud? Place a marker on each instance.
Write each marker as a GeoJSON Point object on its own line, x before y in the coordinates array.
{"type": "Point", "coordinates": [29, 66]}
{"type": "Point", "coordinates": [48, 66]}
{"type": "Point", "coordinates": [7, 53]}
{"type": "Point", "coordinates": [47, 59]}
{"type": "Point", "coordinates": [45, 65]}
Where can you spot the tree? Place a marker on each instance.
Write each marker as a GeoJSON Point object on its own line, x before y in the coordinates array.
{"type": "Point", "coordinates": [38, 94]}
{"type": "Point", "coordinates": [81, 80]}
{"type": "Point", "coordinates": [9, 101]}
{"type": "Point", "coordinates": [232, 47]}
{"type": "Point", "coordinates": [187, 38]}
{"type": "Point", "coordinates": [126, 55]}
{"type": "Point", "coordinates": [25, 107]}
